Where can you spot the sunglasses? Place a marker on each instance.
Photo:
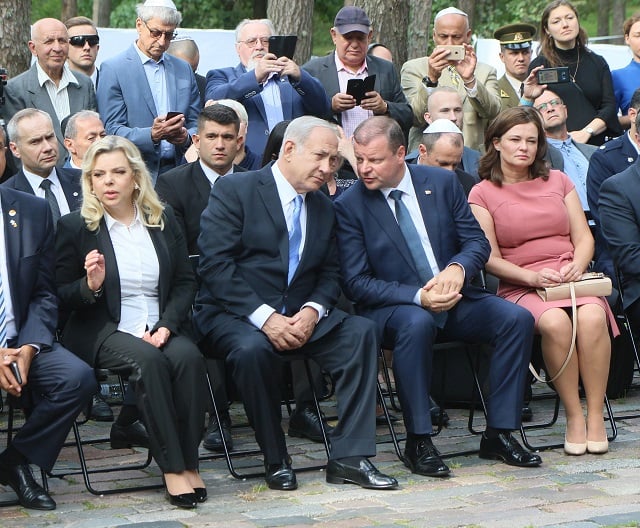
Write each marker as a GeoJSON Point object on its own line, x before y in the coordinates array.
{"type": "Point", "coordinates": [156, 33]}
{"type": "Point", "coordinates": [80, 40]}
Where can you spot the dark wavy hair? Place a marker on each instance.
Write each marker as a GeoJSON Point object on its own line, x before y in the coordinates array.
{"type": "Point", "coordinates": [547, 45]}
{"type": "Point", "coordinates": [490, 167]}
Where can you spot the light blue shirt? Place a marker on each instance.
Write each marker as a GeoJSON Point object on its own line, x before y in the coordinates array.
{"type": "Point", "coordinates": [271, 99]}
{"type": "Point", "coordinates": [576, 166]}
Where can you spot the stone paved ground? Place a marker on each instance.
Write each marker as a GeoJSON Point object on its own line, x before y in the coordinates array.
{"type": "Point", "coordinates": [578, 492]}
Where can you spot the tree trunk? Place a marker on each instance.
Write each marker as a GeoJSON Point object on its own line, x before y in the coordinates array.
{"type": "Point", "coordinates": [619, 14]}
{"type": "Point", "coordinates": [389, 20]}
{"type": "Point", "coordinates": [294, 18]}
{"type": "Point", "coordinates": [468, 6]}
{"type": "Point", "coordinates": [69, 9]}
{"type": "Point", "coordinates": [15, 17]}
{"type": "Point", "coordinates": [418, 34]}
{"type": "Point", "coordinates": [603, 17]}
{"type": "Point", "coordinates": [101, 12]}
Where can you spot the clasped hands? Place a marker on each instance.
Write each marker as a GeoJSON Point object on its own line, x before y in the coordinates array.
{"type": "Point", "coordinates": [22, 357]}
{"type": "Point", "coordinates": [547, 277]}
{"type": "Point", "coordinates": [289, 333]}
{"type": "Point", "coordinates": [442, 292]}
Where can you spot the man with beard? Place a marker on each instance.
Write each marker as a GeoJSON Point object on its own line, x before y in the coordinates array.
{"type": "Point", "coordinates": [271, 88]}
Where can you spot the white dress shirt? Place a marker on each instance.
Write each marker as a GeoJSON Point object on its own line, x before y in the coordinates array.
{"type": "Point", "coordinates": [56, 188]}
{"type": "Point", "coordinates": [58, 94]}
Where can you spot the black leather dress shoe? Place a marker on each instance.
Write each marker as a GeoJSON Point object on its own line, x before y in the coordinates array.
{"type": "Point", "coordinates": [506, 448]}
{"type": "Point", "coordinates": [134, 434]}
{"type": "Point", "coordinates": [100, 410]}
{"type": "Point", "coordinates": [365, 475]}
{"type": "Point", "coordinates": [527, 413]}
{"type": "Point", "coordinates": [201, 494]}
{"type": "Point", "coordinates": [422, 457]}
{"type": "Point", "coordinates": [304, 423]}
{"type": "Point", "coordinates": [188, 501]}
{"type": "Point", "coordinates": [281, 476]}
{"type": "Point", "coordinates": [213, 437]}
{"type": "Point", "coordinates": [30, 493]}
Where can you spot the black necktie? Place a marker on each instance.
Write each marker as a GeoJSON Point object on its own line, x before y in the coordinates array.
{"type": "Point", "coordinates": [51, 199]}
{"type": "Point", "coordinates": [521, 89]}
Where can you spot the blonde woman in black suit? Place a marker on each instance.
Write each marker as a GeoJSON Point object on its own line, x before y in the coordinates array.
{"type": "Point", "coordinates": [124, 275]}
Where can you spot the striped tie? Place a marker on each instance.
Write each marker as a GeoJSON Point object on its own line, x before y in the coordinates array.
{"type": "Point", "coordinates": [295, 238]}
{"type": "Point", "coordinates": [3, 317]}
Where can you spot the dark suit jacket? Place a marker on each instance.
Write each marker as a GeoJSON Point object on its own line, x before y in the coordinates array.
{"type": "Point", "coordinates": [186, 189]}
{"type": "Point", "coordinates": [126, 104]}
{"type": "Point", "coordinates": [69, 180]}
{"type": "Point", "coordinates": [305, 97]}
{"type": "Point", "coordinates": [620, 223]}
{"type": "Point", "coordinates": [377, 268]}
{"type": "Point", "coordinates": [244, 253]}
{"type": "Point", "coordinates": [201, 81]}
{"type": "Point", "coordinates": [387, 85]}
{"type": "Point", "coordinates": [28, 232]}
{"type": "Point", "coordinates": [93, 320]}
{"type": "Point", "coordinates": [24, 91]}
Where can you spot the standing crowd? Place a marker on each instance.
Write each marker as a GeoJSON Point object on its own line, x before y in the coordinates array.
{"type": "Point", "coordinates": [168, 226]}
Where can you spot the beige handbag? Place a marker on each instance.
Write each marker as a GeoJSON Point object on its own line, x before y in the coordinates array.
{"type": "Point", "coordinates": [590, 285]}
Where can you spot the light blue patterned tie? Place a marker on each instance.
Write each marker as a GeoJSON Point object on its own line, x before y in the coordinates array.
{"type": "Point", "coordinates": [295, 238]}
{"type": "Point", "coordinates": [416, 249]}
{"type": "Point", "coordinates": [3, 317]}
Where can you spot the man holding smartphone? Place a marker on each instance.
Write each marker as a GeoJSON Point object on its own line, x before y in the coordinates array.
{"type": "Point", "coordinates": [475, 81]}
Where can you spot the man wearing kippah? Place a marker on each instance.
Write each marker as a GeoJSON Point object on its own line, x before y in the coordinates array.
{"type": "Point", "coordinates": [515, 54]}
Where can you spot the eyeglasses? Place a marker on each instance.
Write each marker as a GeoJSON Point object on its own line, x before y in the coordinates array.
{"type": "Point", "coordinates": [80, 40]}
{"type": "Point", "coordinates": [156, 33]}
{"type": "Point", "coordinates": [252, 42]}
{"type": "Point", "coordinates": [553, 102]}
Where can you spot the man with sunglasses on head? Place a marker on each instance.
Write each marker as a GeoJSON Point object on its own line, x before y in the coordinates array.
{"type": "Point", "coordinates": [149, 96]}
{"type": "Point", "coordinates": [49, 84]}
{"type": "Point", "coordinates": [84, 44]}
{"type": "Point", "coordinates": [272, 89]}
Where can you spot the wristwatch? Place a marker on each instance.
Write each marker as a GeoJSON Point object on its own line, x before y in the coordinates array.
{"type": "Point", "coordinates": [590, 131]}
{"type": "Point", "coordinates": [428, 82]}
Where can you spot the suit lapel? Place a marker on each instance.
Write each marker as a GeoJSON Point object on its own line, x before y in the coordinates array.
{"type": "Point", "coordinates": [286, 98]}
{"type": "Point", "coordinates": [331, 75]}
{"type": "Point", "coordinates": [428, 208]}
{"type": "Point", "coordinates": [271, 199]}
{"type": "Point", "coordinates": [137, 70]}
{"type": "Point", "coordinates": [201, 183]}
{"type": "Point", "coordinates": [162, 251]}
{"type": "Point", "coordinates": [169, 72]}
{"type": "Point", "coordinates": [112, 275]}
{"type": "Point", "coordinates": [22, 184]}
{"type": "Point", "coordinates": [13, 231]}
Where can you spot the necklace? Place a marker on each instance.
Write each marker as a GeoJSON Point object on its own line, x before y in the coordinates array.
{"type": "Point", "coordinates": [573, 77]}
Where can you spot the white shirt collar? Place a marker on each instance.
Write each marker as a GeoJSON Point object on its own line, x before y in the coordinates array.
{"type": "Point", "coordinates": [111, 222]}
{"type": "Point", "coordinates": [285, 190]}
{"type": "Point", "coordinates": [66, 79]}
{"type": "Point", "coordinates": [35, 180]}
{"type": "Point", "coordinates": [405, 185]}
{"type": "Point", "coordinates": [145, 58]}
{"type": "Point", "coordinates": [212, 175]}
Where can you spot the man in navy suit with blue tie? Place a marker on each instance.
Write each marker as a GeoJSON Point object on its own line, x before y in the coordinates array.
{"type": "Point", "coordinates": [409, 247]}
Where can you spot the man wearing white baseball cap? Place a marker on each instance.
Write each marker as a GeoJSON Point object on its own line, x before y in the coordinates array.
{"type": "Point", "coordinates": [149, 96]}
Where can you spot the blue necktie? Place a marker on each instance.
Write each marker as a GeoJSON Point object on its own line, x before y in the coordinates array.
{"type": "Point", "coordinates": [295, 238]}
{"type": "Point", "coordinates": [412, 238]}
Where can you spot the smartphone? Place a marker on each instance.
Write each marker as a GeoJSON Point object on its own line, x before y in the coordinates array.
{"type": "Point", "coordinates": [455, 52]}
{"type": "Point", "coordinates": [553, 75]}
{"type": "Point", "coordinates": [171, 115]}
{"type": "Point", "coordinates": [283, 45]}
{"type": "Point", "coordinates": [16, 372]}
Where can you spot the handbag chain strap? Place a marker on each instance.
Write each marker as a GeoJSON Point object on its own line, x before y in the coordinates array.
{"type": "Point", "coordinates": [574, 321]}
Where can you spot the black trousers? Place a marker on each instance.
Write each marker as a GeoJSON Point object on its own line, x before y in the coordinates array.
{"type": "Point", "coordinates": [170, 385]}
{"type": "Point", "coordinates": [348, 352]}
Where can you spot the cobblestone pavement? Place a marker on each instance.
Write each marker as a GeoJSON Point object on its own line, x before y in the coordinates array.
{"type": "Point", "coordinates": [578, 492]}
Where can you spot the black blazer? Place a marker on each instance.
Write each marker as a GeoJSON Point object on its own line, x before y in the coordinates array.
{"type": "Point", "coordinates": [92, 320]}
{"type": "Point", "coordinates": [244, 254]}
{"type": "Point", "coordinates": [69, 180]}
{"type": "Point", "coordinates": [186, 189]}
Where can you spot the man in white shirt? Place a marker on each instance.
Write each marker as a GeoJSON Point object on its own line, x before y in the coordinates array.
{"type": "Point", "coordinates": [49, 84]}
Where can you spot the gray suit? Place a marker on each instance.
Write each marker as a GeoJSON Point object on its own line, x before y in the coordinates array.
{"type": "Point", "coordinates": [554, 156]}
{"type": "Point", "coordinates": [24, 91]}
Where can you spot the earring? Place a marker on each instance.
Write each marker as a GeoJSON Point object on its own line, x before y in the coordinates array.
{"type": "Point", "coordinates": [135, 187]}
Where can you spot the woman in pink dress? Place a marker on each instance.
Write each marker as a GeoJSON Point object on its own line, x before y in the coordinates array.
{"type": "Point", "coordinates": [539, 237]}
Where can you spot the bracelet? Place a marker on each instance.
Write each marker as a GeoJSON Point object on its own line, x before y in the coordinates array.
{"type": "Point", "coordinates": [97, 293]}
{"type": "Point", "coordinates": [525, 102]}
{"type": "Point", "coordinates": [471, 81]}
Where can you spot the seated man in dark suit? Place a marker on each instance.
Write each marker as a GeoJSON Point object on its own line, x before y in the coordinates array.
{"type": "Point", "coordinates": [269, 272]}
{"type": "Point", "coordinates": [409, 247]}
{"type": "Point", "coordinates": [351, 34]}
{"type": "Point", "coordinates": [53, 385]}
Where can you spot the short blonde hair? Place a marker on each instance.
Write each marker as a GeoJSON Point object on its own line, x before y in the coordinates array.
{"type": "Point", "coordinates": [145, 197]}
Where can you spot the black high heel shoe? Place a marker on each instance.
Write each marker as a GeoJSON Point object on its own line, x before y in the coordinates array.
{"type": "Point", "coordinates": [184, 500]}
{"type": "Point", "coordinates": [200, 493]}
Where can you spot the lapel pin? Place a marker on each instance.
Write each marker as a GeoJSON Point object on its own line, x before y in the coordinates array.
{"type": "Point", "coordinates": [12, 212]}
{"type": "Point", "coordinates": [630, 160]}
{"type": "Point", "coordinates": [427, 192]}
{"type": "Point", "coordinates": [13, 223]}
{"type": "Point", "coordinates": [75, 193]}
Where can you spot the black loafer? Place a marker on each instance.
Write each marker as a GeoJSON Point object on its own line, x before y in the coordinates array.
{"type": "Point", "coordinates": [506, 448]}
{"type": "Point", "coordinates": [201, 494]}
{"type": "Point", "coordinates": [365, 475]}
{"type": "Point", "coordinates": [304, 423]}
{"type": "Point", "coordinates": [134, 434]}
{"type": "Point", "coordinates": [188, 501]}
{"type": "Point", "coordinates": [30, 493]}
{"type": "Point", "coordinates": [422, 458]}
{"type": "Point", "coordinates": [281, 476]}
{"type": "Point", "coordinates": [100, 410]}
{"type": "Point", "coordinates": [213, 437]}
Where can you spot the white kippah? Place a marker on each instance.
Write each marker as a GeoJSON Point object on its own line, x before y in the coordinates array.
{"type": "Point", "coordinates": [449, 11]}
{"type": "Point", "coordinates": [442, 125]}
{"type": "Point", "coordinates": [160, 3]}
